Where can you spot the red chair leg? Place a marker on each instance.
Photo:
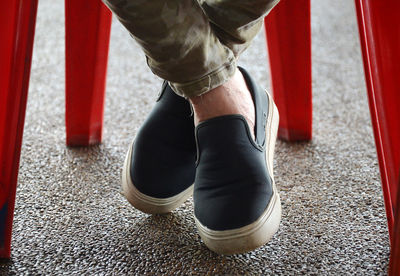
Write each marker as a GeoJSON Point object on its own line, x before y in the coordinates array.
{"type": "Point", "coordinates": [17, 28]}
{"type": "Point", "coordinates": [379, 28]}
{"type": "Point", "coordinates": [288, 30]}
{"type": "Point", "coordinates": [87, 31]}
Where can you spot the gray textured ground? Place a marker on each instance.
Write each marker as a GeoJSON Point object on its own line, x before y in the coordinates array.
{"type": "Point", "coordinates": [70, 217]}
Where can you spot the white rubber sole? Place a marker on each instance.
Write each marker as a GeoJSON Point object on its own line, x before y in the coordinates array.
{"type": "Point", "coordinates": [145, 203]}
{"type": "Point", "coordinates": [258, 233]}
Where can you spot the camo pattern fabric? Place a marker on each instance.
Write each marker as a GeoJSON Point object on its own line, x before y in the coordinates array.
{"type": "Point", "coordinates": [194, 44]}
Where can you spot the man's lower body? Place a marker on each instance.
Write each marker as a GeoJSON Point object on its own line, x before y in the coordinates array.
{"type": "Point", "coordinates": [194, 45]}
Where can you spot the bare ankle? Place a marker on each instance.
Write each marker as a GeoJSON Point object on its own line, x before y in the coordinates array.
{"type": "Point", "coordinates": [233, 97]}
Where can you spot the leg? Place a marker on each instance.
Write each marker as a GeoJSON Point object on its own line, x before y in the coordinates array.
{"type": "Point", "coordinates": [195, 48]}
{"type": "Point", "coordinates": [288, 25]}
{"type": "Point", "coordinates": [17, 26]}
{"type": "Point", "coordinates": [162, 28]}
{"type": "Point", "coordinates": [379, 28]}
{"type": "Point", "coordinates": [87, 39]}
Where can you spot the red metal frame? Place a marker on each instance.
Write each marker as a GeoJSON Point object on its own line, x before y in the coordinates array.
{"type": "Point", "coordinates": [288, 30]}
{"type": "Point", "coordinates": [17, 28]}
{"type": "Point", "coordinates": [88, 25]}
{"type": "Point", "coordinates": [87, 30]}
{"type": "Point", "coordinates": [379, 28]}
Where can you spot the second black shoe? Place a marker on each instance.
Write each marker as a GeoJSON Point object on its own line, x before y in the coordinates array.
{"type": "Point", "coordinates": [236, 204]}
{"type": "Point", "coordinates": [159, 168]}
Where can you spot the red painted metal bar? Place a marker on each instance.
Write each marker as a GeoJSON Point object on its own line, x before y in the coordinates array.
{"type": "Point", "coordinates": [288, 30]}
{"type": "Point", "coordinates": [17, 28]}
{"type": "Point", "coordinates": [379, 27]}
{"type": "Point", "coordinates": [87, 31]}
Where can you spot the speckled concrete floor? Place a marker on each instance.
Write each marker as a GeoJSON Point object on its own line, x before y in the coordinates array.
{"type": "Point", "coordinates": [70, 217]}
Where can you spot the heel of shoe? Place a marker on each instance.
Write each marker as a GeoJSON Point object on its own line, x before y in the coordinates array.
{"type": "Point", "coordinates": [271, 134]}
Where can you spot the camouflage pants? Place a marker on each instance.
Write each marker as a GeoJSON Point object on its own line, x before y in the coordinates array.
{"type": "Point", "coordinates": [193, 44]}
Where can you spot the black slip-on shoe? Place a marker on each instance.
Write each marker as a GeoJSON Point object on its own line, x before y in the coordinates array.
{"type": "Point", "coordinates": [159, 168]}
{"type": "Point", "coordinates": [236, 204]}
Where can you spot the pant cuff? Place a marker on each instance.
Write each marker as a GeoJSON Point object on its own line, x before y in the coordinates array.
{"type": "Point", "coordinates": [206, 83]}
